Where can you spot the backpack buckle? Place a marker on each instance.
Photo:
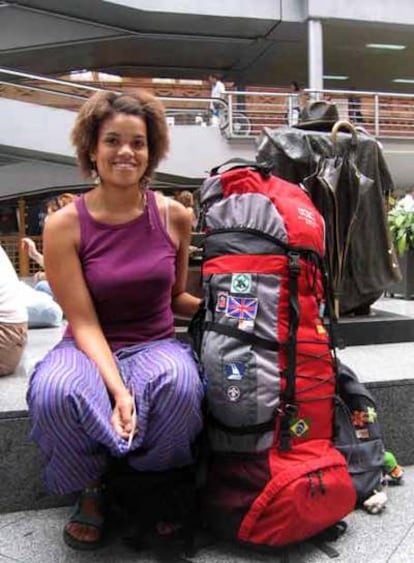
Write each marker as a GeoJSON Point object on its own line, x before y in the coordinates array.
{"type": "Point", "coordinates": [294, 263]}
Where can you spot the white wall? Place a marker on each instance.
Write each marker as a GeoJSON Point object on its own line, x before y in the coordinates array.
{"type": "Point", "coordinates": [236, 8]}
{"type": "Point", "coordinates": [39, 129]}
{"type": "Point", "coordinates": [386, 11]}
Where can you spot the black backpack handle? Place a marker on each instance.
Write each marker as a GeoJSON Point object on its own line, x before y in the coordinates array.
{"type": "Point", "coordinates": [239, 162]}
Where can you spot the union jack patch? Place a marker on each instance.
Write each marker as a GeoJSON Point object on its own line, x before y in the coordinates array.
{"type": "Point", "coordinates": [242, 308]}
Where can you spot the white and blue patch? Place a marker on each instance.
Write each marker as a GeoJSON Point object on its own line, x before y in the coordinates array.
{"type": "Point", "coordinates": [235, 370]}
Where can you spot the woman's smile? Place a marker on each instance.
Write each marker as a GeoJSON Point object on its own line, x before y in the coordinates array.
{"type": "Point", "coordinates": [121, 153]}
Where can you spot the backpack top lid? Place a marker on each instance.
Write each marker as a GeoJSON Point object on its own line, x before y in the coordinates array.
{"type": "Point", "coordinates": [303, 223]}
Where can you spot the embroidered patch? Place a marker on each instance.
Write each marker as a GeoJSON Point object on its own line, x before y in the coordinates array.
{"type": "Point", "coordinates": [320, 329]}
{"type": "Point", "coordinates": [242, 308]}
{"type": "Point", "coordinates": [371, 414]}
{"type": "Point", "coordinates": [300, 427]}
{"type": "Point", "coordinates": [221, 305]}
{"type": "Point", "coordinates": [235, 370]}
{"type": "Point", "coordinates": [241, 283]}
{"type": "Point", "coordinates": [362, 418]}
{"type": "Point", "coordinates": [247, 326]}
{"type": "Point", "coordinates": [362, 433]}
{"type": "Point", "coordinates": [233, 393]}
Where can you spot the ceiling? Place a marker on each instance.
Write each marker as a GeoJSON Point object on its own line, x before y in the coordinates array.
{"type": "Point", "coordinates": [49, 37]}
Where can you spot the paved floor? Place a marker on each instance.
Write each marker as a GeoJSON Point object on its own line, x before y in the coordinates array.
{"type": "Point", "coordinates": [36, 537]}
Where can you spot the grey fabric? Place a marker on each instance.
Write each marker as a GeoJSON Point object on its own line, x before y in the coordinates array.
{"type": "Point", "coordinates": [260, 384]}
{"type": "Point", "coordinates": [243, 379]}
{"type": "Point", "coordinates": [297, 156]}
{"type": "Point", "coordinates": [251, 210]}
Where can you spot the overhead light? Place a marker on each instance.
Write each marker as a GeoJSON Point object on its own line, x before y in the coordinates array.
{"type": "Point", "coordinates": [335, 77]}
{"type": "Point", "coordinates": [389, 46]}
{"type": "Point", "coordinates": [404, 80]}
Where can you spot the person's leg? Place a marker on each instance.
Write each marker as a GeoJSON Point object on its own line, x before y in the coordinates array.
{"type": "Point", "coordinates": [70, 411]}
{"type": "Point", "coordinates": [166, 382]}
{"type": "Point", "coordinates": [13, 338]}
{"type": "Point", "coordinates": [44, 312]}
{"type": "Point", "coordinates": [45, 287]}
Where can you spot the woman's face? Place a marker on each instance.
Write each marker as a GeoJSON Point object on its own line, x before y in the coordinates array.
{"type": "Point", "coordinates": [121, 153]}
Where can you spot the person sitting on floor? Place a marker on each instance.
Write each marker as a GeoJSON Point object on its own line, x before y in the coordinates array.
{"type": "Point", "coordinates": [119, 384]}
{"type": "Point", "coordinates": [13, 317]}
{"type": "Point", "coordinates": [30, 247]}
{"type": "Point", "coordinates": [42, 309]}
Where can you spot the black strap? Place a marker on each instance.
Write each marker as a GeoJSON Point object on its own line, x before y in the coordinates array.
{"type": "Point", "coordinates": [242, 163]}
{"type": "Point", "coordinates": [243, 336]}
{"type": "Point", "coordinates": [294, 314]}
{"type": "Point", "coordinates": [260, 428]}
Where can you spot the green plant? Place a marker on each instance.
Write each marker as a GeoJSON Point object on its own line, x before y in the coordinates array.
{"type": "Point", "coordinates": [401, 223]}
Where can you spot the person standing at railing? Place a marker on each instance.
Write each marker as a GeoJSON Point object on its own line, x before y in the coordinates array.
{"type": "Point", "coordinates": [13, 317]}
{"type": "Point", "coordinates": [354, 108]}
{"type": "Point", "coordinates": [295, 102]}
{"type": "Point", "coordinates": [119, 384]}
{"type": "Point", "coordinates": [217, 91]}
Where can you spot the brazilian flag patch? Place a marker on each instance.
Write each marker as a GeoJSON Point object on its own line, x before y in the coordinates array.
{"type": "Point", "coordinates": [300, 427]}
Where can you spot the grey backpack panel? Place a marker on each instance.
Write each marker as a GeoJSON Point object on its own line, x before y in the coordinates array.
{"type": "Point", "coordinates": [251, 210]}
{"type": "Point", "coordinates": [244, 381]}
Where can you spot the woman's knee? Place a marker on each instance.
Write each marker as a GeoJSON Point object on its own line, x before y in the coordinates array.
{"type": "Point", "coordinates": [55, 383]}
{"type": "Point", "coordinates": [181, 384]}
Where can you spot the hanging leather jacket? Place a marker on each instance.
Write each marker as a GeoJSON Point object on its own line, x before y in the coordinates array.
{"type": "Point", "coordinates": [347, 180]}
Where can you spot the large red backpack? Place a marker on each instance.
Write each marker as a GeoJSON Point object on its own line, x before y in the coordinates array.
{"type": "Point", "coordinates": [274, 476]}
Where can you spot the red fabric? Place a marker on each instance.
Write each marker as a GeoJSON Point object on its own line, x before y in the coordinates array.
{"type": "Point", "coordinates": [304, 224]}
{"type": "Point", "coordinates": [310, 491]}
{"type": "Point", "coordinates": [245, 263]}
{"type": "Point", "coordinates": [309, 487]}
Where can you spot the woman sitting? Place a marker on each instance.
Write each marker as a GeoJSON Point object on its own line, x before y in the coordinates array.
{"type": "Point", "coordinates": [119, 383]}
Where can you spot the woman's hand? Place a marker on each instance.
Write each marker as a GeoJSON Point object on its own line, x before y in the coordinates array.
{"type": "Point", "coordinates": [123, 419]}
{"type": "Point", "coordinates": [29, 246]}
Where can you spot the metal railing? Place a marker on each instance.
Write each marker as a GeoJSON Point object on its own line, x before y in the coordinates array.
{"type": "Point", "coordinates": [241, 114]}
{"type": "Point", "coordinates": [382, 114]}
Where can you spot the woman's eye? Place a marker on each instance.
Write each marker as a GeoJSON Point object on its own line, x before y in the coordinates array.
{"type": "Point", "coordinates": [111, 140]}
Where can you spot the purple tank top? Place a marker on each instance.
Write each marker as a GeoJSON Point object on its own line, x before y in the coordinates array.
{"type": "Point", "coordinates": [130, 272]}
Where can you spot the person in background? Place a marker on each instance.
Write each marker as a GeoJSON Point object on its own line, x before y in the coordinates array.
{"type": "Point", "coordinates": [30, 247]}
{"type": "Point", "coordinates": [186, 198]}
{"type": "Point", "coordinates": [295, 102]}
{"type": "Point", "coordinates": [13, 317]}
{"type": "Point", "coordinates": [217, 91]}
{"type": "Point", "coordinates": [119, 384]}
{"type": "Point", "coordinates": [354, 111]}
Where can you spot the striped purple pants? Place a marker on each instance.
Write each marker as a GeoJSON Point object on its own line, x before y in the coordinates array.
{"type": "Point", "coordinates": [70, 411]}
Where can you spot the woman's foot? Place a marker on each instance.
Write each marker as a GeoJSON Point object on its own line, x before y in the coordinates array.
{"type": "Point", "coordinates": [84, 530]}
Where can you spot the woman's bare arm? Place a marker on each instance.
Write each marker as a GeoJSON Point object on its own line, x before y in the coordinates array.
{"type": "Point", "coordinates": [183, 303]}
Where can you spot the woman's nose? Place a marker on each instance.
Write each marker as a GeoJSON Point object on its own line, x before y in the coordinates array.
{"type": "Point", "coordinates": [125, 148]}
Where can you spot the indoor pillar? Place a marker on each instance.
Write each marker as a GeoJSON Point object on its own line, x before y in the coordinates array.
{"type": "Point", "coordinates": [315, 54]}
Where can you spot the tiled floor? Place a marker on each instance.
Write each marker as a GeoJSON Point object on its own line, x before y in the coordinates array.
{"type": "Point", "coordinates": [36, 537]}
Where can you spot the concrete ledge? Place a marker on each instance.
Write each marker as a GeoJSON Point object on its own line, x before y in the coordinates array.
{"type": "Point", "coordinates": [395, 401]}
{"type": "Point", "coordinates": [21, 487]}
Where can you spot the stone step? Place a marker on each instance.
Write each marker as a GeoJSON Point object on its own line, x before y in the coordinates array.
{"type": "Point", "coordinates": [35, 536]}
{"type": "Point", "coordinates": [387, 370]}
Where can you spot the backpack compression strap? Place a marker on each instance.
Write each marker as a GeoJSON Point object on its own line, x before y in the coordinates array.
{"type": "Point", "coordinates": [290, 408]}
{"type": "Point", "coordinates": [243, 336]}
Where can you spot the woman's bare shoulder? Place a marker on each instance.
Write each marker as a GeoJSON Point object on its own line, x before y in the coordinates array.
{"type": "Point", "coordinates": [64, 222]}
